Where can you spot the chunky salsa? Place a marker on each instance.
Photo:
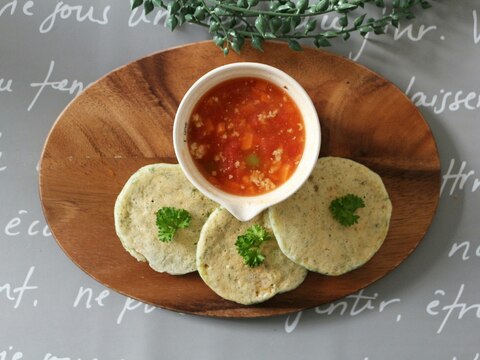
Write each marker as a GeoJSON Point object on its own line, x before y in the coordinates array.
{"type": "Point", "coordinates": [246, 136]}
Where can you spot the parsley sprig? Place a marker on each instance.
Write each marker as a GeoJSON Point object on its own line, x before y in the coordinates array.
{"type": "Point", "coordinates": [343, 209]}
{"type": "Point", "coordinates": [169, 220]}
{"type": "Point", "coordinates": [248, 245]}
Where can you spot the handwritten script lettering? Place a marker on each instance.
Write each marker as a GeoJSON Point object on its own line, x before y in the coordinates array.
{"type": "Point", "coordinates": [65, 11]}
{"type": "Point", "coordinates": [12, 6]}
{"type": "Point", "coordinates": [14, 228]}
{"type": "Point", "coordinates": [82, 292]}
{"type": "Point", "coordinates": [138, 16]}
{"type": "Point", "coordinates": [458, 179]}
{"type": "Point", "coordinates": [398, 34]}
{"type": "Point", "coordinates": [444, 100]}
{"type": "Point", "coordinates": [476, 35]}
{"type": "Point", "coordinates": [463, 249]}
{"type": "Point", "coordinates": [352, 305]}
{"type": "Point", "coordinates": [2, 168]}
{"type": "Point", "coordinates": [6, 85]}
{"type": "Point", "coordinates": [10, 354]}
{"type": "Point", "coordinates": [49, 356]}
{"type": "Point", "coordinates": [477, 357]}
{"type": "Point", "coordinates": [434, 308]}
{"type": "Point", "coordinates": [408, 30]}
{"type": "Point", "coordinates": [131, 305]}
{"type": "Point", "coordinates": [16, 294]}
{"type": "Point", "coordinates": [75, 87]}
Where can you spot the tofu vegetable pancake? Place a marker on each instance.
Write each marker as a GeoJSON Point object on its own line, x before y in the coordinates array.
{"type": "Point", "coordinates": [308, 233]}
{"type": "Point", "coordinates": [151, 188]}
{"type": "Point", "coordinates": [225, 271]}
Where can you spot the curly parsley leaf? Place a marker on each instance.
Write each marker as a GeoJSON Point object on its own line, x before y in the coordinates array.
{"type": "Point", "coordinates": [169, 220]}
{"type": "Point", "coordinates": [248, 245]}
{"type": "Point", "coordinates": [343, 209]}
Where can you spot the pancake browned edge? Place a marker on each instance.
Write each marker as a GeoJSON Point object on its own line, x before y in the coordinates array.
{"type": "Point", "coordinates": [149, 189]}
{"type": "Point", "coordinates": [309, 235]}
{"type": "Point", "coordinates": [224, 271]}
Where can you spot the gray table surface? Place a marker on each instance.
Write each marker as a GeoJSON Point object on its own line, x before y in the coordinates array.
{"type": "Point", "coordinates": [428, 308]}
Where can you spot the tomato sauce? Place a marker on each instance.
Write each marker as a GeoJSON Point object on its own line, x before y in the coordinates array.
{"type": "Point", "coordinates": [246, 136]}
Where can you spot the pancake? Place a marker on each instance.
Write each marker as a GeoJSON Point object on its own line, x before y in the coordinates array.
{"type": "Point", "coordinates": [308, 234]}
{"type": "Point", "coordinates": [149, 189]}
{"type": "Point", "coordinates": [224, 271]}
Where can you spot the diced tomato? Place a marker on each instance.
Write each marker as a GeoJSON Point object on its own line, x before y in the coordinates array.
{"type": "Point", "coordinates": [221, 127]}
{"type": "Point", "coordinates": [254, 143]}
{"type": "Point", "coordinates": [284, 172]}
{"type": "Point", "coordinates": [247, 141]}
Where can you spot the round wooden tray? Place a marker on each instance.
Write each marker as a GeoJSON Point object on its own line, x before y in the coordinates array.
{"type": "Point", "coordinates": [124, 121]}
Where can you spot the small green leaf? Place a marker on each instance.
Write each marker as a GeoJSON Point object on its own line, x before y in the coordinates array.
{"type": "Point", "coordinates": [237, 43]}
{"type": "Point", "coordinates": [257, 42]}
{"type": "Point", "coordinates": [219, 40]}
{"type": "Point", "coordinates": [172, 22]}
{"type": "Point", "coordinates": [275, 24]}
{"type": "Point", "coordinates": [232, 23]}
{"type": "Point", "coordinates": [242, 3]}
{"type": "Point", "coordinates": [302, 5]}
{"type": "Point", "coordinates": [199, 13]}
{"type": "Point", "coordinates": [311, 25]}
{"type": "Point", "coordinates": [270, 35]}
{"type": "Point", "coordinates": [286, 27]}
{"type": "Point", "coordinates": [330, 34]}
{"type": "Point", "coordinates": [284, 8]}
{"type": "Point", "coordinates": [320, 41]}
{"type": "Point", "coordinates": [273, 5]}
{"type": "Point", "coordinates": [158, 3]}
{"type": "Point", "coordinates": [360, 3]}
{"type": "Point", "coordinates": [252, 3]}
{"type": "Point", "coordinates": [294, 45]}
{"type": "Point", "coordinates": [344, 7]}
{"type": "Point", "coordinates": [173, 7]}
{"type": "Point", "coordinates": [380, 3]}
{"type": "Point", "coordinates": [359, 20]}
{"type": "Point", "coordinates": [322, 5]}
{"type": "Point", "coordinates": [425, 5]}
{"type": "Point", "coordinates": [295, 21]}
{"type": "Point", "coordinates": [213, 26]}
{"type": "Point", "coordinates": [261, 24]}
{"type": "Point", "coordinates": [148, 6]}
{"type": "Point", "coordinates": [135, 3]}
{"type": "Point", "coordinates": [343, 22]}
{"type": "Point", "coordinates": [220, 11]}
{"type": "Point", "coordinates": [395, 22]}
{"type": "Point", "coordinates": [409, 16]}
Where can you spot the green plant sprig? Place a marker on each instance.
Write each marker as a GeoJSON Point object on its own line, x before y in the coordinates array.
{"type": "Point", "coordinates": [231, 22]}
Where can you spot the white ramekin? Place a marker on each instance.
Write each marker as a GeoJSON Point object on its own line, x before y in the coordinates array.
{"type": "Point", "coordinates": [246, 207]}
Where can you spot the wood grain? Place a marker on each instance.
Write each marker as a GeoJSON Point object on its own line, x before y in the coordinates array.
{"type": "Point", "coordinates": [124, 121]}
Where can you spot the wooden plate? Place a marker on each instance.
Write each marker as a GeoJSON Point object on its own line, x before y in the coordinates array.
{"type": "Point", "coordinates": [124, 121]}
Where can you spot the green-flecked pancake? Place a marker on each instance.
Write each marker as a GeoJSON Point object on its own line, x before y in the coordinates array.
{"type": "Point", "coordinates": [308, 233]}
{"type": "Point", "coordinates": [224, 270]}
{"type": "Point", "coordinates": [149, 189]}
